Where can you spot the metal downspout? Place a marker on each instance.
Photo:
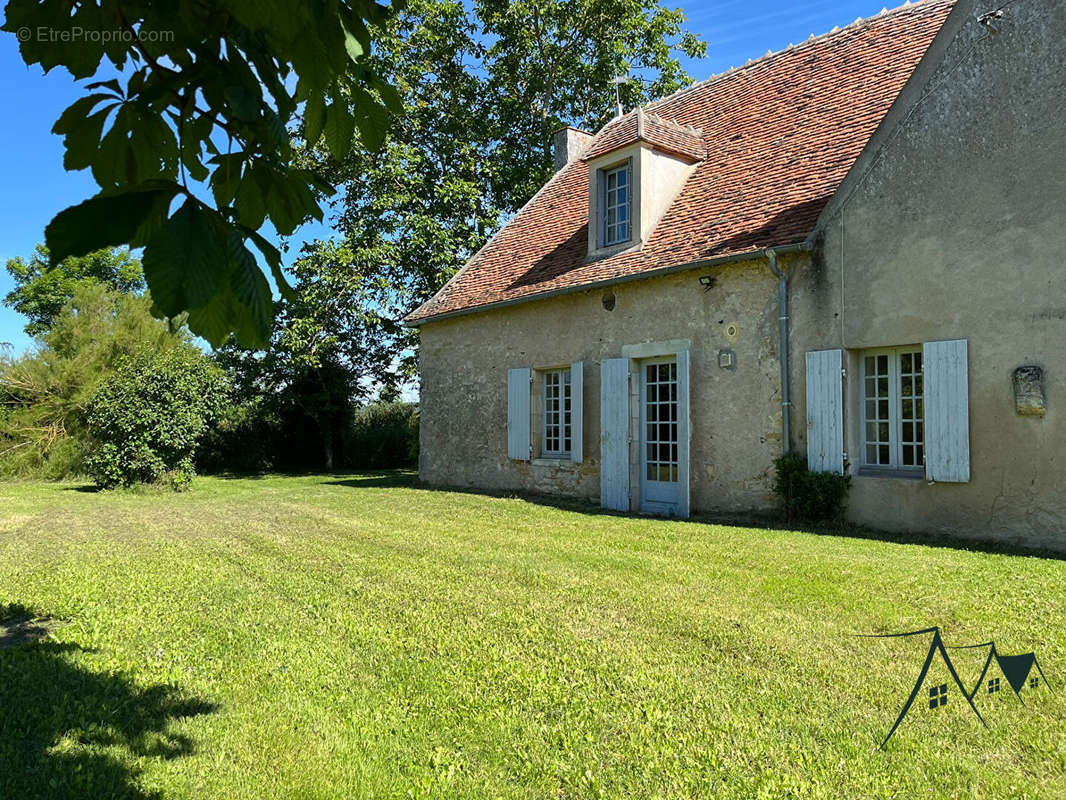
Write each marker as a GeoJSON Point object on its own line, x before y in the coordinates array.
{"type": "Point", "coordinates": [782, 306]}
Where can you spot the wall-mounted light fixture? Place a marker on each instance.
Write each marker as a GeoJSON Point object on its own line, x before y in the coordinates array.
{"type": "Point", "coordinates": [707, 282]}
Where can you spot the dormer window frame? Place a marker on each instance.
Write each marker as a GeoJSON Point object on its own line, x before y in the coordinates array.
{"type": "Point", "coordinates": [622, 172]}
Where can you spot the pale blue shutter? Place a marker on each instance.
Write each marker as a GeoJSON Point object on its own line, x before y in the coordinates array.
{"type": "Point", "coordinates": [577, 411]}
{"type": "Point", "coordinates": [683, 434]}
{"type": "Point", "coordinates": [614, 433]}
{"type": "Point", "coordinates": [518, 446]}
{"type": "Point", "coordinates": [825, 411]}
{"type": "Point", "coordinates": [947, 411]}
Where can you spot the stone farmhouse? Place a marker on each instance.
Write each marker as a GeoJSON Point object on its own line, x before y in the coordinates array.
{"type": "Point", "coordinates": [852, 249]}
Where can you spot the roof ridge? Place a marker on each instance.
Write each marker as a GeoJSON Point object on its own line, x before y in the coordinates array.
{"type": "Point", "coordinates": [672, 123]}
{"type": "Point", "coordinates": [908, 5]}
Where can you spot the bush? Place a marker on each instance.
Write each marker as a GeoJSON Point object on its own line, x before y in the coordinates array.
{"type": "Point", "coordinates": [385, 436]}
{"type": "Point", "coordinates": [145, 421]}
{"type": "Point", "coordinates": [44, 393]}
{"type": "Point", "coordinates": [809, 496]}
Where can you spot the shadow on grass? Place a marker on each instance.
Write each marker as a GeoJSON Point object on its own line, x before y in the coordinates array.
{"type": "Point", "coordinates": [764, 521]}
{"type": "Point", "coordinates": [369, 480]}
{"type": "Point", "coordinates": [67, 732]}
{"type": "Point", "coordinates": [350, 477]}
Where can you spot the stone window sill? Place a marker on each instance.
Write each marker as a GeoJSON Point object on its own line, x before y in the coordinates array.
{"type": "Point", "coordinates": [560, 461]}
{"type": "Point", "coordinates": [904, 474]}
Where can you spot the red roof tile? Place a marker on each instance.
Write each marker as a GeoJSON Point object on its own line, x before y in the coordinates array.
{"type": "Point", "coordinates": [662, 134]}
{"type": "Point", "coordinates": [779, 135]}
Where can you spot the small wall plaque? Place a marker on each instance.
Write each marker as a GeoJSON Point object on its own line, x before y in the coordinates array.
{"type": "Point", "coordinates": [727, 359]}
{"type": "Point", "coordinates": [1029, 400]}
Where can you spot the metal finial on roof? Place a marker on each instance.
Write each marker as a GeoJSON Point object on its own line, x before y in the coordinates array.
{"type": "Point", "coordinates": [618, 80]}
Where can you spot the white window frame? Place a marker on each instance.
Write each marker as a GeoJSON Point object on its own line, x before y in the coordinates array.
{"type": "Point", "coordinates": [623, 168]}
{"type": "Point", "coordinates": [557, 412]}
{"type": "Point", "coordinates": [894, 419]}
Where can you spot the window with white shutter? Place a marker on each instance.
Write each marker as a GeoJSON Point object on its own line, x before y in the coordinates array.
{"type": "Point", "coordinates": [518, 414]}
{"type": "Point", "coordinates": [825, 411]}
{"type": "Point", "coordinates": [947, 411]}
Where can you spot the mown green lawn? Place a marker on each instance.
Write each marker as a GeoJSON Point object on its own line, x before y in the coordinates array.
{"type": "Point", "coordinates": [356, 637]}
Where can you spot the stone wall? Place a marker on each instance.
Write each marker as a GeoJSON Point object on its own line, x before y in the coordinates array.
{"type": "Point", "coordinates": [735, 413]}
{"type": "Point", "coordinates": [952, 225]}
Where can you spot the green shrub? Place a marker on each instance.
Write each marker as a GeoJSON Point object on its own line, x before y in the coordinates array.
{"type": "Point", "coordinates": [385, 436]}
{"type": "Point", "coordinates": [44, 392]}
{"type": "Point", "coordinates": [145, 421]}
{"type": "Point", "coordinates": [809, 496]}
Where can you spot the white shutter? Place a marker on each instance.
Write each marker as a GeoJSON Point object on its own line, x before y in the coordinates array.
{"type": "Point", "coordinates": [614, 433]}
{"type": "Point", "coordinates": [577, 411]}
{"type": "Point", "coordinates": [825, 411]}
{"type": "Point", "coordinates": [947, 411]}
{"type": "Point", "coordinates": [518, 395]}
{"type": "Point", "coordinates": [683, 428]}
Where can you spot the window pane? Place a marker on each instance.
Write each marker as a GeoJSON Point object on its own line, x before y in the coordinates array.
{"type": "Point", "coordinates": [882, 409]}
{"type": "Point", "coordinates": [882, 454]}
{"type": "Point", "coordinates": [871, 454]}
{"type": "Point", "coordinates": [905, 362]}
{"type": "Point", "coordinates": [882, 365]}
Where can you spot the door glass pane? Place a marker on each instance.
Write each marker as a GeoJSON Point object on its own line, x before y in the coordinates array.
{"type": "Point", "coordinates": [660, 414]}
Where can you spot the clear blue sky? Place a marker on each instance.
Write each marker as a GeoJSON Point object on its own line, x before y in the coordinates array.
{"type": "Point", "coordinates": [34, 186]}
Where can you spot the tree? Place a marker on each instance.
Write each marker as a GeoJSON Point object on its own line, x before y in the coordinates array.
{"type": "Point", "coordinates": [322, 359]}
{"type": "Point", "coordinates": [41, 291]}
{"type": "Point", "coordinates": [44, 393]}
{"type": "Point", "coordinates": [485, 85]}
{"type": "Point", "coordinates": [203, 91]}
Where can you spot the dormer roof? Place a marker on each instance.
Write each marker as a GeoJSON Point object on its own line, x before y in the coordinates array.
{"type": "Point", "coordinates": [639, 125]}
{"type": "Point", "coordinates": [778, 136]}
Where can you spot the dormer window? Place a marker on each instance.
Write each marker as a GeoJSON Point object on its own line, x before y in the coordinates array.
{"type": "Point", "coordinates": [616, 203]}
{"type": "Point", "coordinates": [637, 165]}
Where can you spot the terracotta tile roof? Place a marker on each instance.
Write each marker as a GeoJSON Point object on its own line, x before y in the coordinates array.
{"type": "Point", "coordinates": [780, 134]}
{"type": "Point", "coordinates": [662, 134]}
